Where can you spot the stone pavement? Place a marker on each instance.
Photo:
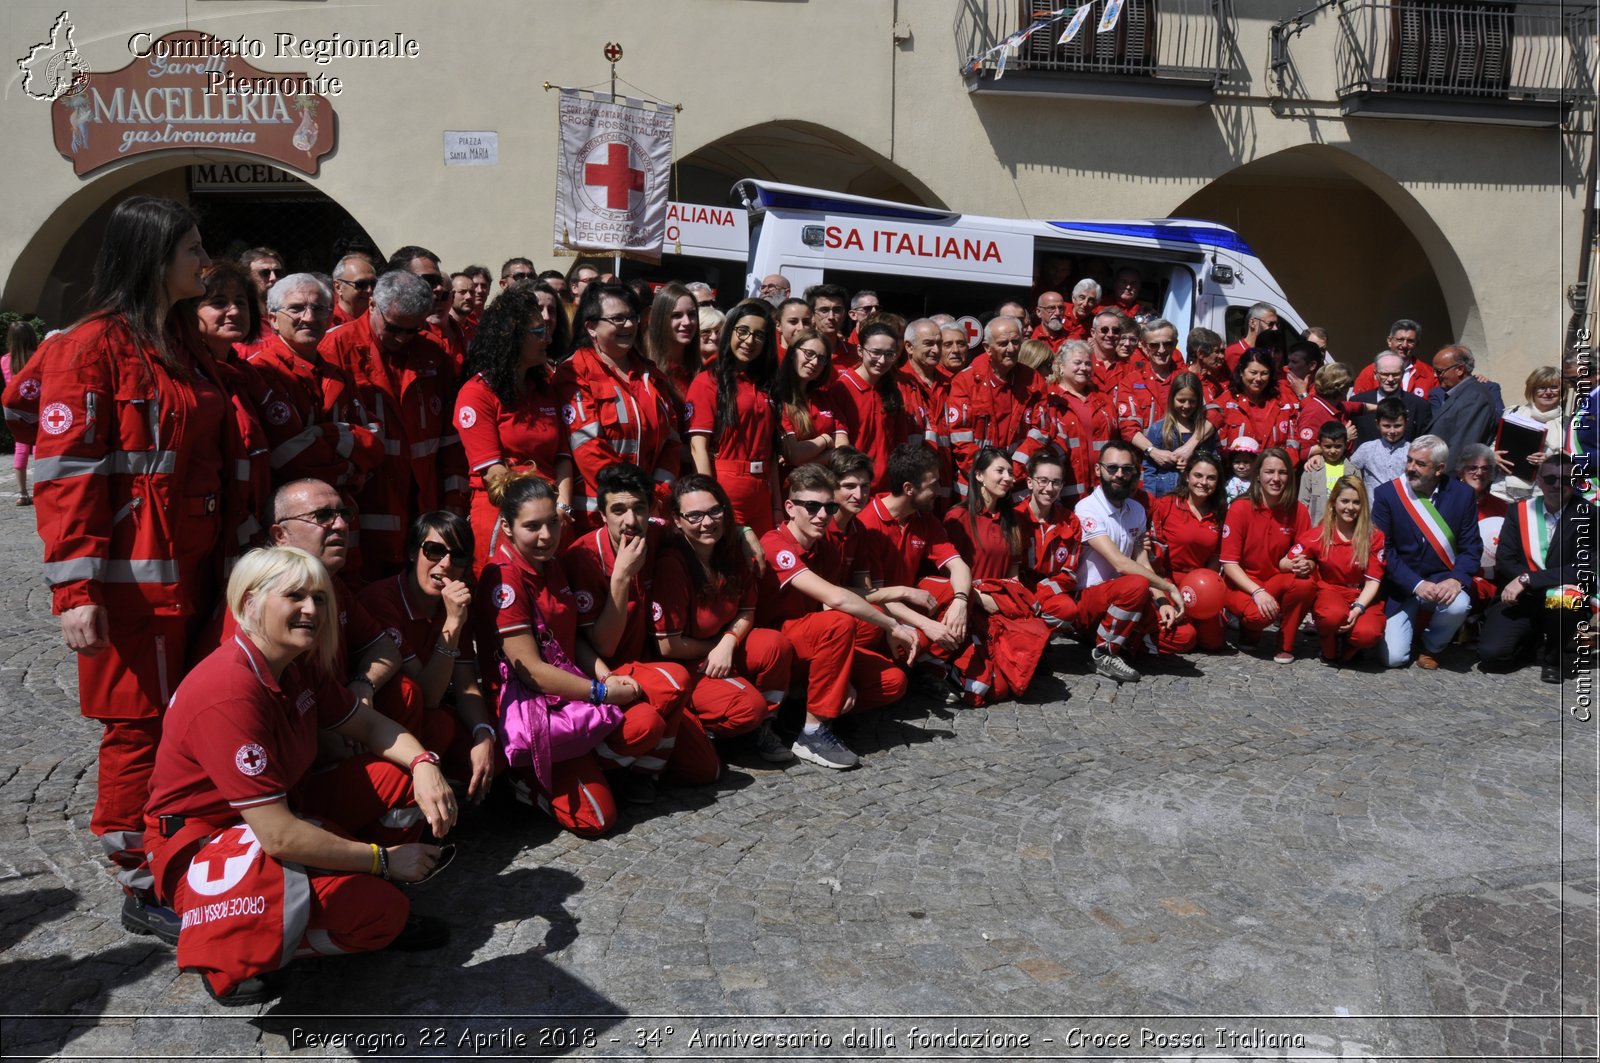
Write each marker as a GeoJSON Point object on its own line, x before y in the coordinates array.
{"type": "Point", "coordinates": [1231, 859]}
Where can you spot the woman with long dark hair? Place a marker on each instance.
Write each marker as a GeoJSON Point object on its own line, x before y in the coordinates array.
{"type": "Point", "coordinates": [809, 400]}
{"type": "Point", "coordinates": [21, 342]}
{"type": "Point", "coordinates": [613, 400]}
{"type": "Point", "coordinates": [1270, 583]}
{"type": "Point", "coordinates": [705, 615]}
{"type": "Point", "coordinates": [672, 338]}
{"type": "Point", "coordinates": [507, 413]}
{"type": "Point", "coordinates": [1257, 404]}
{"type": "Point", "coordinates": [733, 424]}
{"type": "Point", "coordinates": [1184, 419]}
{"type": "Point", "coordinates": [876, 420]}
{"type": "Point", "coordinates": [1185, 535]}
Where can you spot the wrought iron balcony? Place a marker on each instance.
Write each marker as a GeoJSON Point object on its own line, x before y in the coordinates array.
{"type": "Point", "coordinates": [1159, 51]}
{"type": "Point", "coordinates": [1464, 60]}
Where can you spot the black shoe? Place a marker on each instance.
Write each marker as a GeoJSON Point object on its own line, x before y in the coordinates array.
{"type": "Point", "coordinates": [632, 788]}
{"type": "Point", "coordinates": [1550, 673]}
{"type": "Point", "coordinates": [248, 993]}
{"type": "Point", "coordinates": [150, 919]}
{"type": "Point", "coordinates": [421, 933]}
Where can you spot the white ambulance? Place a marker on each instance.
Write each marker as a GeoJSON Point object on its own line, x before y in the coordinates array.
{"type": "Point", "coordinates": [922, 260]}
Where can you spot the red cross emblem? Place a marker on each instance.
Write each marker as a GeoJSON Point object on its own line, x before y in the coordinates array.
{"type": "Point", "coordinates": [223, 862]}
{"type": "Point", "coordinates": [56, 418]}
{"type": "Point", "coordinates": [619, 179]}
{"type": "Point", "coordinates": [613, 51]}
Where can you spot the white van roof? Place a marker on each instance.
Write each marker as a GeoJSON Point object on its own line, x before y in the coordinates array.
{"type": "Point", "coordinates": [1170, 234]}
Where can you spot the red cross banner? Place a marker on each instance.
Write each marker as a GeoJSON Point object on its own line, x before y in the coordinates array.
{"type": "Point", "coordinates": [611, 181]}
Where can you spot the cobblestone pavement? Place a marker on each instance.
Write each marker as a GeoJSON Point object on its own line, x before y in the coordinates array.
{"type": "Point", "coordinates": [1231, 859]}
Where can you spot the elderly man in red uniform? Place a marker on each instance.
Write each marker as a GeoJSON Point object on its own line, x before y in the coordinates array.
{"type": "Point", "coordinates": [315, 423]}
{"type": "Point", "coordinates": [1261, 319]}
{"type": "Point", "coordinates": [406, 383]}
{"type": "Point", "coordinates": [993, 401]}
{"type": "Point", "coordinates": [836, 635]}
{"type": "Point", "coordinates": [1125, 293]}
{"type": "Point", "coordinates": [1416, 376]}
{"type": "Point", "coordinates": [926, 388]}
{"type": "Point", "coordinates": [1079, 321]}
{"type": "Point", "coordinates": [1109, 363]}
{"type": "Point", "coordinates": [1141, 397]}
{"type": "Point", "coordinates": [354, 277]}
{"type": "Point", "coordinates": [612, 573]}
{"type": "Point", "coordinates": [1052, 327]}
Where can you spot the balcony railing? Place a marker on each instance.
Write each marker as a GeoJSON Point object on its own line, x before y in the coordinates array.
{"type": "Point", "coordinates": [1465, 50]}
{"type": "Point", "coordinates": [1154, 43]}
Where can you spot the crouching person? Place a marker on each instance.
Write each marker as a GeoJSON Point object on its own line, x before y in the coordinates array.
{"type": "Point", "coordinates": [260, 858]}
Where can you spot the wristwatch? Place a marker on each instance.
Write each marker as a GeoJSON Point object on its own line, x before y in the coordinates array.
{"type": "Point", "coordinates": [1525, 578]}
{"type": "Point", "coordinates": [427, 756]}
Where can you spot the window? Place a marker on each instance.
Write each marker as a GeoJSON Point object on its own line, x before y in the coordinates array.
{"type": "Point", "coordinates": [1450, 46]}
{"type": "Point", "coordinates": [1129, 49]}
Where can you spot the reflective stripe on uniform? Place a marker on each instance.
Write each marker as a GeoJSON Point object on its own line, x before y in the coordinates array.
{"type": "Point", "coordinates": [118, 462]}
{"type": "Point", "coordinates": [146, 570]}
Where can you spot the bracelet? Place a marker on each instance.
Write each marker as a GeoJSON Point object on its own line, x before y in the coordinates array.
{"type": "Point", "coordinates": [961, 596]}
{"type": "Point", "coordinates": [562, 507]}
{"type": "Point", "coordinates": [377, 859]}
{"type": "Point", "coordinates": [597, 692]}
{"type": "Point", "coordinates": [454, 655]}
{"type": "Point", "coordinates": [383, 861]}
{"type": "Point", "coordinates": [493, 734]}
{"type": "Point", "coordinates": [1358, 607]}
{"type": "Point", "coordinates": [425, 757]}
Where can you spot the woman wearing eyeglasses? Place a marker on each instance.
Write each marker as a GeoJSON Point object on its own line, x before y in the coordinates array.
{"type": "Point", "coordinates": [1543, 406]}
{"type": "Point", "coordinates": [705, 617]}
{"type": "Point", "coordinates": [809, 400]}
{"type": "Point", "coordinates": [613, 400]}
{"type": "Point", "coordinates": [135, 435]}
{"type": "Point", "coordinates": [427, 610]}
{"type": "Point", "coordinates": [733, 423]}
{"type": "Point", "coordinates": [876, 419]}
{"type": "Point", "coordinates": [508, 413]}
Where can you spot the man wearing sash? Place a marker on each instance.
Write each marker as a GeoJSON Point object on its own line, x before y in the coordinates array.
{"type": "Point", "coordinates": [1544, 593]}
{"type": "Point", "coordinates": [1430, 522]}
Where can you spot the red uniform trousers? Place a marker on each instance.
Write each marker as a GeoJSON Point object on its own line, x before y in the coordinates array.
{"type": "Point", "coordinates": [366, 795]}
{"type": "Point", "coordinates": [656, 730]}
{"type": "Point", "coordinates": [977, 666]}
{"type": "Point", "coordinates": [1188, 633]}
{"type": "Point", "coordinates": [1057, 606]}
{"type": "Point", "coordinates": [750, 493]}
{"type": "Point", "coordinates": [835, 651]}
{"type": "Point", "coordinates": [1112, 611]}
{"type": "Point", "coordinates": [739, 703]}
{"type": "Point", "coordinates": [126, 687]}
{"type": "Point", "coordinates": [484, 517]}
{"type": "Point", "coordinates": [1294, 597]}
{"type": "Point", "coordinates": [1331, 607]}
{"type": "Point", "coordinates": [401, 701]}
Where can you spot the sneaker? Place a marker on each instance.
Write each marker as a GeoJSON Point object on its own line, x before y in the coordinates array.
{"type": "Point", "coordinates": [1114, 668]}
{"type": "Point", "coordinates": [150, 919]}
{"type": "Point", "coordinates": [248, 993]}
{"type": "Point", "coordinates": [1283, 658]}
{"type": "Point", "coordinates": [770, 748]}
{"type": "Point", "coordinates": [822, 747]}
{"type": "Point", "coordinates": [420, 934]}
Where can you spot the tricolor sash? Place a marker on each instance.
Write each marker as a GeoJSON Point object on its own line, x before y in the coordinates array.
{"type": "Point", "coordinates": [1535, 530]}
{"type": "Point", "coordinates": [1428, 521]}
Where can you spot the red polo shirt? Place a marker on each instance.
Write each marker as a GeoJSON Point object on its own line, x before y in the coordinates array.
{"type": "Point", "coordinates": [1184, 540]}
{"type": "Point", "coordinates": [904, 548]}
{"type": "Point", "coordinates": [589, 564]}
{"type": "Point", "coordinates": [682, 608]}
{"type": "Point", "coordinates": [1256, 538]}
{"type": "Point", "coordinates": [786, 559]}
{"type": "Point", "coordinates": [416, 633]}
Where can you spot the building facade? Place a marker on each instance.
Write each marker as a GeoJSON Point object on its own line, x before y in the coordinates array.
{"type": "Point", "coordinates": [1385, 158]}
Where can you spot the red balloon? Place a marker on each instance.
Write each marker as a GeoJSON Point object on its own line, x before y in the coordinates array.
{"type": "Point", "coordinates": [1202, 592]}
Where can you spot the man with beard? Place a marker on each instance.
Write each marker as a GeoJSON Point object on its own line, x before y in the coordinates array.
{"type": "Point", "coordinates": [1052, 327]}
{"type": "Point", "coordinates": [1116, 584]}
{"type": "Point", "coordinates": [1432, 546]}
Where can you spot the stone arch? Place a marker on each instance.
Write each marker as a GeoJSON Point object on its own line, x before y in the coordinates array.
{"type": "Point", "coordinates": [799, 153]}
{"type": "Point", "coordinates": [1351, 247]}
{"type": "Point", "coordinates": [51, 276]}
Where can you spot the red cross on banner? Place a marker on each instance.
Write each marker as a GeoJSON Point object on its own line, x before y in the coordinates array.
{"type": "Point", "coordinates": [615, 176]}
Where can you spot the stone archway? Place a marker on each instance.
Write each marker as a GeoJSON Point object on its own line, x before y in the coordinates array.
{"type": "Point", "coordinates": [1352, 249]}
{"type": "Point", "coordinates": [798, 153]}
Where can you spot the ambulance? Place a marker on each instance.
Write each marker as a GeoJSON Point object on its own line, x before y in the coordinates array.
{"type": "Point", "coordinates": [923, 260]}
{"type": "Point", "coordinates": [704, 243]}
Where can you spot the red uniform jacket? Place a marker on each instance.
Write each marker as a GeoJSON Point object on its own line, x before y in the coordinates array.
{"type": "Point", "coordinates": [616, 416]}
{"type": "Point", "coordinates": [985, 410]}
{"type": "Point", "coordinates": [1417, 378]}
{"type": "Point", "coordinates": [315, 423]}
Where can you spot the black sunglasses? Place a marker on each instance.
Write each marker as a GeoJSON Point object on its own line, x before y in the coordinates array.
{"type": "Point", "coordinates": [437, 552]}
{"type": "Point", "coordinates": [814, 507]}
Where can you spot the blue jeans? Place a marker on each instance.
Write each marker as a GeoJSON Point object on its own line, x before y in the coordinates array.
{"type": "Point", "coordinates": [1398, 630]}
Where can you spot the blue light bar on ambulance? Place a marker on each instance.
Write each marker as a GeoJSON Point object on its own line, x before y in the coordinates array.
{"type": "Point", "coordinates": [757, 196]}
{"type": "Point", "coordinates": [1201, 234]}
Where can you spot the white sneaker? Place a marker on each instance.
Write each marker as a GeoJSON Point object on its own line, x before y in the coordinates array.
{"type": "Point", "coordinates": [822, 747]}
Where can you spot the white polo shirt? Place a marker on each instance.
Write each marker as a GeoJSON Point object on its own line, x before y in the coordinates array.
{"type": "Point", "coordinates": [1124, 525]}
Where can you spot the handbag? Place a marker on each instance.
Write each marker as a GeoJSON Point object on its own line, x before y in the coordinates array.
{"type": "Point", "coordinates": [540, 730]}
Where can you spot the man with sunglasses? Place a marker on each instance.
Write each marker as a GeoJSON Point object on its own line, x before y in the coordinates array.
{"type": "Point", "coordinates": [1106, 335]}
{"type": "Point", "coordinates": [516, 270]}
{"type": "Point", "coordinates": [310, 409]}
{"type": "Point", "coordinates": [1545, 584]}
{"type": "Point", "coordinates": [407, 384]}
{"type": "Point", "coordinates": [834, 631]}
{"type": "Point", "coordinates": [353, 280]}
{"type": "Point", "coordinates": [441, 327]}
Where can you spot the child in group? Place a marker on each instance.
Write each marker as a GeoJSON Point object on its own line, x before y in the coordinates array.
{"type": "Point", "coordinates": [1241, 463]}
{"type": "Point", "coordinates": [1332, 439]}
{"type": "Point", "coordinates": [1383, 459]}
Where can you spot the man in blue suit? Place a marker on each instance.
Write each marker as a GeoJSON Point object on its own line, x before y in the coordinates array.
{"type": "Point", "coordinates": [1432, 550]}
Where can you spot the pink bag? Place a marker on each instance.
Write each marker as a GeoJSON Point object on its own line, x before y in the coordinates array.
{"type": "Point", "coordinates": [538, 730]}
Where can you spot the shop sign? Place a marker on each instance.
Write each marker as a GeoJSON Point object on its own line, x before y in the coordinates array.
{"type": "Point", "coordinates": [210, 101]}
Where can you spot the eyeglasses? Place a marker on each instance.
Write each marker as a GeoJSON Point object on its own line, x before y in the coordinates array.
{"type": "Point", "coordinates": [808, 354]}
{"type": "Point", "coordinates": [869, 308]}
{"type": "Point", "coordinates": [306, 310]}
{"type": "Point", "coordinates": [325, 516]}
{"type": "Point", "coordinates": [433, 279]}
{"type": "Point", "coordinates": [1552, 480]}
{"type": "Point", "coordinates": [519, 276]}
{"type": "Point", "coordinates": [1042, 482]}
{"type": "Point", "coordinates": [827, 311]}
{"type": "Point", "coordinates": [620, 320]}
{"type": "Point", "coordinates": [744, 333]}
{"type": "Point", "coordinates": [1167, 345]}
{"type": "Point", "coordinates": [774, 287]}
{"type": "Point", "coordinates": [1388, 376]}
{"type": "Point", "coordinates": [437, 552]}
{"type": "Point", "coordinates": [398, 330]}
{"type": "Point", "coordinates": [1120, 470]}
{"type": "Point", "coordinates": [360, 286]}
{"type": "Point", "coordinates": [813, 507]}
{"type": "Point", "coordinates": [1050, 311]}
{"type": "Point", "coordinates": [1474, 468]}
{"type": "Point", "coordinates": [700, 516]}
{"type": "Point", "coordinates": [1109, 331]}
{"type": "Point", "coordinates": [877, 352]}
{"type": "Point", "coordinates": [1547, 387]}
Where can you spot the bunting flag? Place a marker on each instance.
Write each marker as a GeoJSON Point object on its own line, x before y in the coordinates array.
{"type": "Point", "coordinates": [1014, 40]}
{"type": "Point", "coordinates": [1078, 19]}
{"type": "Point", "coordinates": [1108, 21]}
